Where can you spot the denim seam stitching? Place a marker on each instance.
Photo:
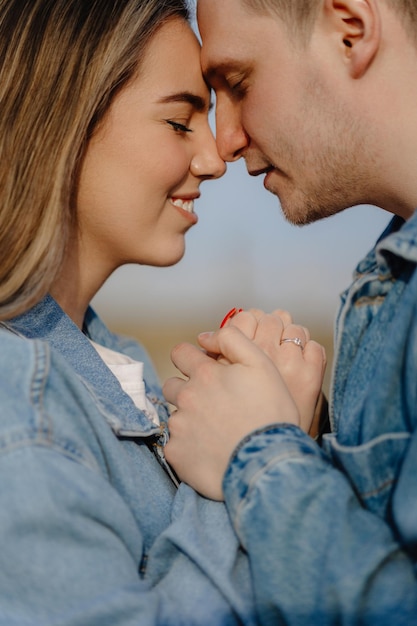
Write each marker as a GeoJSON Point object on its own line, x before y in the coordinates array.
{"type": "Point", "coordinates": [37, 388]}
{"type": "Point", "coordinates": [251, 485]}
{"type": "Point", "coordinates": [48, 444]}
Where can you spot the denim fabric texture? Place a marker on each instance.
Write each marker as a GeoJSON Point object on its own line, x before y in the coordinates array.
{"type": "Point", "coordinates": [331, 532]}
{"type": "Point", "coordinates": [93, 531]}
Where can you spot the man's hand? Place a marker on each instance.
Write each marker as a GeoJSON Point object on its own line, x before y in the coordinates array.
{"type": "Point", "coordinates": [219, 404]}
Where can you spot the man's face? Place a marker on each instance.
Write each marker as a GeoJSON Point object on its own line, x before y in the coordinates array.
{"type": "Point", "coordinates": [280, 105]}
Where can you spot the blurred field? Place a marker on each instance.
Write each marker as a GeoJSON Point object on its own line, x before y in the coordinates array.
{"type": "Point", "coordinates": [241, 254]}
{"type": "Point", "coordinates": [160, 339]}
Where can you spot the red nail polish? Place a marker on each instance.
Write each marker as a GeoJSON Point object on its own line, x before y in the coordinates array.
{"type": "Point", "coordinates": [229, 316]}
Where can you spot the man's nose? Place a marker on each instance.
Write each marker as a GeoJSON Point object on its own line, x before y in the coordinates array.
{"type": "Point", "coordinates": [232, 140]}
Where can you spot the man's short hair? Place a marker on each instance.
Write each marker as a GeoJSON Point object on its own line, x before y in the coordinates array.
{"type": "Point", "coordinates": [300, 15]}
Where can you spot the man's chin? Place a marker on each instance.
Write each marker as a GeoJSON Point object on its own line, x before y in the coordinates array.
{"type": "Point", "coordinates": [300, 214]}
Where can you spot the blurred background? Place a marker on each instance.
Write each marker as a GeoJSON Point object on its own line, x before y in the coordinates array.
{"type": "Point", "coordinates": [241, 253]}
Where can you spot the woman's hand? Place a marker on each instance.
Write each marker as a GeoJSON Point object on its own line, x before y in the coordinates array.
{"type": "Point", "coordinates": [302, 367]}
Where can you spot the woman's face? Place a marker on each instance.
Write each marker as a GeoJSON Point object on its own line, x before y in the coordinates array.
{"type": "Point", "coordinates": [144, 165]}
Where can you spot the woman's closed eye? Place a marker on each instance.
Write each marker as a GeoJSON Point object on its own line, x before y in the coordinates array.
{"type": "Point", "coordinates": [179, 128]}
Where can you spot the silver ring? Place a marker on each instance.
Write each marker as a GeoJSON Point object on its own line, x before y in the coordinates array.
{"type": "Point", "coordinates": [296, 340]}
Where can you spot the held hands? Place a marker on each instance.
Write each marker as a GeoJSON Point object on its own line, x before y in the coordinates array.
{"type": "Point", "coordinates": [246, 379]}
{"type": "Point", "coordinates": [302, 370]}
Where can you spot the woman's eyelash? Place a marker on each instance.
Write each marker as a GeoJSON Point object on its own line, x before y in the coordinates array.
{"type": "Point", "coordinates": [179, 128]}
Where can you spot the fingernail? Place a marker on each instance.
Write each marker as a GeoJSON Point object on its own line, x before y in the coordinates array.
{"type": "Point", "coordinates": [229, 315]}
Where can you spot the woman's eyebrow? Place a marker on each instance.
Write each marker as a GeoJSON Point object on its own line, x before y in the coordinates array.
{"type": "Point", "coordinates": [197, 102]}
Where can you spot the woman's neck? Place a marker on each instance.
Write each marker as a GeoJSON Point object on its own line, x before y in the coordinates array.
{"type": "Point", "coordinates": [77, 283]}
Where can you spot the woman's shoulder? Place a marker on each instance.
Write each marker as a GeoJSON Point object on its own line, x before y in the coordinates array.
{"type": "Point", "coordinates": [43, 402]}
{"type": "Point", "coordinates": [20, 358]}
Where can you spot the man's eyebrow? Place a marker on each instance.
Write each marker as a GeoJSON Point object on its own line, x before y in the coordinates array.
{"type": "Point", "coordinates": [197, 102]}
{"type": "Point", "coordinates": [220, 69]}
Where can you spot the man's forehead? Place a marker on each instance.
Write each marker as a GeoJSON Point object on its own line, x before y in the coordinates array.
{"type": "Point", "coordinates": [225, 42]}
{"type": "Point", "coordinates": [219, 16]}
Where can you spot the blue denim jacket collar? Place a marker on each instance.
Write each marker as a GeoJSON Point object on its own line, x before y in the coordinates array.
{"type": "Point", "coordinates": [380, 277]}
{"type": "Point", "coordinates": [49, 322]}
{"type": "Point", "coordinates": [401, 243]}
{"type": "Point", "coordinates": [396, 247]}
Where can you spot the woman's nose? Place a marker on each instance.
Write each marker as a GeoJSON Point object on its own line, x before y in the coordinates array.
{"type": "Point", "coordinates": [207, 162]}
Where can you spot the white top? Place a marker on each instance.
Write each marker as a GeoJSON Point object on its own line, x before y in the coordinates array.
{"type": "Point", "coordinates": [129, 373]}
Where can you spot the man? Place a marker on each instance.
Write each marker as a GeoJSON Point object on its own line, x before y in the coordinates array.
{"type": "Point", "coordinates": [320, 97]}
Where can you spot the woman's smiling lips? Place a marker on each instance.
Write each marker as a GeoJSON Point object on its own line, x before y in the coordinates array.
{"type": "Point", "coordinates": [186, 207]}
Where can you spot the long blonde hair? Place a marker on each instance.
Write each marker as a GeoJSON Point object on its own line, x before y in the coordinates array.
{"type": "Point", "coordinates": [61, 64]}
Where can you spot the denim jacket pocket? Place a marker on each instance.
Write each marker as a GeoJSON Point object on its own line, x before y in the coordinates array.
{"type": "Point", "coordinates": [373, 468]}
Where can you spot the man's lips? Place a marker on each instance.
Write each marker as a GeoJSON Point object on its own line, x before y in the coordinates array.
{"type": "Point", "coordinates": [259, 172]}
{"type": "Point", "coordinates": [269, 171]}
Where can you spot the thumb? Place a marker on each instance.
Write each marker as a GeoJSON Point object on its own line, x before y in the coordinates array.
{"type": "Point", "coordinates": [232, 344]}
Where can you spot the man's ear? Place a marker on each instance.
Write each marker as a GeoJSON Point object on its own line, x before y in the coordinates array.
{"type": "Point", "coordinates": [357, 26]}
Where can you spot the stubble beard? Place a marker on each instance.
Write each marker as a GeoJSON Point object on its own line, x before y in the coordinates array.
{"type": "Point", "coordinates": [329, 172]}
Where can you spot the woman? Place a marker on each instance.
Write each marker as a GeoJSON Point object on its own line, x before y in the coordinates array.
{"type": "Point", "coordinates": [104, 143]}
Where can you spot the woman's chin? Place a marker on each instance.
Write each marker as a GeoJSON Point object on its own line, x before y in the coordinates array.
{"type": "Point", "coordinates": [167, 260]}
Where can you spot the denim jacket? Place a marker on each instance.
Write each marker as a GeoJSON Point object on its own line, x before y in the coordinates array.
{"type": "Point", "coordinates": [93, 530]}
{"type": "Point", "coordinates": [331, 531]}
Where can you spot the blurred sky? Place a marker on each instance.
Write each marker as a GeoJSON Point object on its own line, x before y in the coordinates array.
{"type": "Point", "coordinates": [243, 253]}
